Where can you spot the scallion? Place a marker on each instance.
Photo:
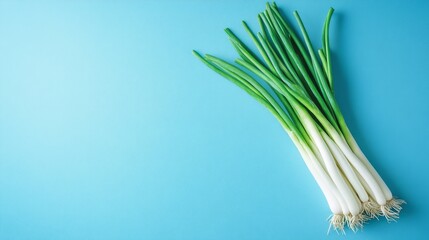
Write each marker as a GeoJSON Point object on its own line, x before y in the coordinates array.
{"type": "Point", "coordinates": [300, 94]}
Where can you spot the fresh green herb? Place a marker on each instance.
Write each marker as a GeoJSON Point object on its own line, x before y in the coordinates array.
{"type": "Point", "coordinates": [300, 94]}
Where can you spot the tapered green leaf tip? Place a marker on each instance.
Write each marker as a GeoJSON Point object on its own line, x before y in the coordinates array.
{"type": "Point", "coordinates": [197, 54]}
{"type": "Point", "coordinates": [274, 4]}
{"type": "Point", "coordinates": [246, 26]}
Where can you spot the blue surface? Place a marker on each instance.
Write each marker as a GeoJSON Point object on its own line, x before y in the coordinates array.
{"type": "Point", "coordinates": [111, 129]}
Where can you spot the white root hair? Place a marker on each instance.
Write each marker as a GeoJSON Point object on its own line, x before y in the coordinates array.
{"type": "Point", "coordinates": [392, 208]}
{"type": "Point", "coordinates": [337, 222]}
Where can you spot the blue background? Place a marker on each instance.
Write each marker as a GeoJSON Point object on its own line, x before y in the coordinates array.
{"type": "Point", "coordinates": [111, 129]}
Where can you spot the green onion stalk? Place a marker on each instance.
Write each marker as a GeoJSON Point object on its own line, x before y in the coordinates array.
{"type": "Point", "coordinates": [299, 92]}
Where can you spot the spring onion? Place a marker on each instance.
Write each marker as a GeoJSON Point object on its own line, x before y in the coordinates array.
{"type": "Point", "coordinates": [299, 92]}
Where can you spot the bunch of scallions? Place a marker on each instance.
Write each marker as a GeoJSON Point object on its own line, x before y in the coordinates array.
{"type": "Point", "coordinates": [299, 93]}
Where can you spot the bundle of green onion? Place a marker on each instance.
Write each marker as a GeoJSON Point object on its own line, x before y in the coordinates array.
{"type": "Point", "coordinates": [300, 95]}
